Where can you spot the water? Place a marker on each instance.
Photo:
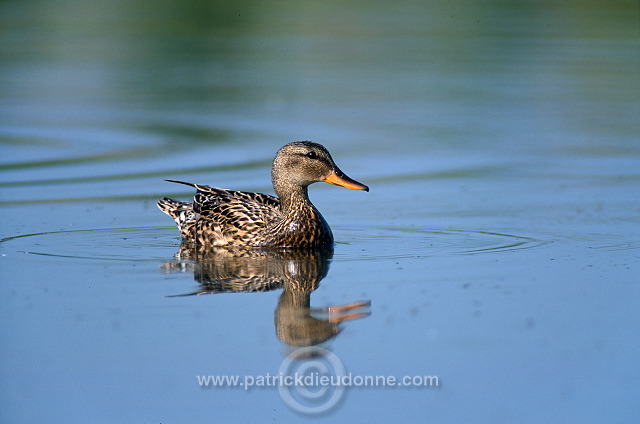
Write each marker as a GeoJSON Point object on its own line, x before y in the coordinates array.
{"type": "Point", "coordinates": [498, 247]}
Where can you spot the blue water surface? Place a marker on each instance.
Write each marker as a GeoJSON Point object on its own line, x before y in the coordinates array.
{"type": "Point", "coordinates": [498, 248]}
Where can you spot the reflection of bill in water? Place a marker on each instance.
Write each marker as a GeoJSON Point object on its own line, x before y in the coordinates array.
{"type": "Point", "coordinates": [298, 272]}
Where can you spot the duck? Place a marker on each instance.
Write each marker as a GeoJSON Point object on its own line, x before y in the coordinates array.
{"type": "Point", "coordinates": [229, 218]}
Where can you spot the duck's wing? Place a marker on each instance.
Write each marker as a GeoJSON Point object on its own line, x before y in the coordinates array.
{"type": "Point", "coordinates": [208, 196]}
{"type": "Point", "coordinates": [226, 216]}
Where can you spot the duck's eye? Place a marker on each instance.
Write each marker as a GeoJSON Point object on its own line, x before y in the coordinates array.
{"type": "Point", "coordinates": [312, 155]}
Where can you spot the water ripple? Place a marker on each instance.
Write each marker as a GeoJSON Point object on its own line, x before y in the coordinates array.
{"type": "Point", "coordinates": [119, 244]}
{"type": "Point", "coordinates": [160, 243]}
{"type": "Point", "coordinates": [403, 242]}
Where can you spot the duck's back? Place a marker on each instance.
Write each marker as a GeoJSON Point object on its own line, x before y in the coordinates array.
{"type": "Point", "coordinates": [229, 217]}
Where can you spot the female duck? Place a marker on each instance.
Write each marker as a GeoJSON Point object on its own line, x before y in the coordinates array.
{"type": "Point", "coordinates": [219, 217]}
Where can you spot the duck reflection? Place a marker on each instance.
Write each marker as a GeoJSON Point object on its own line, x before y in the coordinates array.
{"type": "Point", "coordinates": [297, 272]}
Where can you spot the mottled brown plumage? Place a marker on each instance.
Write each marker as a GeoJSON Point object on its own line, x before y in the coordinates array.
{"type": "Point", "coordinates": [219, 217]}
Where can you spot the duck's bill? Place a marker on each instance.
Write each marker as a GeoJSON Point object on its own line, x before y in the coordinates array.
{"type": "Point", "coordinates": [339, 178]}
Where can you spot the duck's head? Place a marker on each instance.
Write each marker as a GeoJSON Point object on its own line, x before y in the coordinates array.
{"type": "Point", "coordinates": [302, 163]}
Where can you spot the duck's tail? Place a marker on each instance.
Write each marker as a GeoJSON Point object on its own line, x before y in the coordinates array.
{"type": "Point", "coordinates": [183, 182]}
{"type": "Point", "coordinates": [182, 213]}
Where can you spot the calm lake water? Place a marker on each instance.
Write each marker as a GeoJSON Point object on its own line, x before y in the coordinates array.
{"type": "Point", "coordinates": [497, 251]}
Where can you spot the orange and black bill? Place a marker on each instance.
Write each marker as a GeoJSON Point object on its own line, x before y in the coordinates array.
{"type": "Point", "coordinates": [338, 177]}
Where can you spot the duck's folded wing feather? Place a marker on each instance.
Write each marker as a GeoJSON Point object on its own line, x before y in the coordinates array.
{"type": "Point", "coordinates": [225, 215]}
{"type": "Point", "coordinates": [217, 196]}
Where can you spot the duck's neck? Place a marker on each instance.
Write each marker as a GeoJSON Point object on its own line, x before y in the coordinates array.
{"type": "Point", "coordinates": [293, 198]}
